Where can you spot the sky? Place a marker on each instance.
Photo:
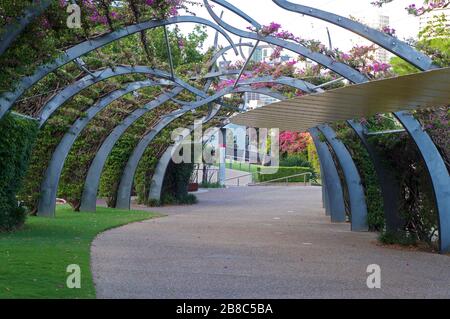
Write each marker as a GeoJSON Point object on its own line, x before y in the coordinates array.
{"type": "Point", "coordinates": [265, 11]}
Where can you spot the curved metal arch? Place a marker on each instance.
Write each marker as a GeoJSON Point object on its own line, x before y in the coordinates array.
{"type": "Point", "coordinates": [91, 185]}
{"type": "Point", "coordinates": [92, 181]}
{"type": "Point", "coordinates": [338, 67]}
{"type": "Point", "coordinates": [437, 171]}
{"type": "Point", "coordinates": [49, 185]}
{"type": "Point", "coordinates": [9, 98]}
{"type": "Point", "coordinates": [13, 30]}
{"type": "Point", "coordinates": [358, 206]}
{"type": "Point", "coordinates": [389, 185]}
{"type": "Point", "coordinates": [283, 80]}
{"type": "Point", "coordinates": [126, 182]}
{"type": "Point", "coordinates": [157, 182]}
{"type": "Point", "coordinates": [240, 50]}
{"type": "Point", "coordinates": [334, 195]}
{"type": "Point", "coordinates": [73, 89]}
{"type": "Point", "coordinates": [226, 49]}
{"type": "Point", "coordinates": [386, 41]}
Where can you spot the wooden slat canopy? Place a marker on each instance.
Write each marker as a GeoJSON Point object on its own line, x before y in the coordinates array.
{"type": "Point", "coordinates": [420, 90]}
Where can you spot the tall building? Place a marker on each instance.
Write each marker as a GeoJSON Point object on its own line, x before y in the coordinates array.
{"type": "Point", "coordinates": [381, 22]}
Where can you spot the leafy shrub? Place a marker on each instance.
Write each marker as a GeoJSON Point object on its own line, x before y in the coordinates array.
{"type": "Point", "coordinates": [175, 187]}
{"type": "Point", "coordinates": [374, 199]}
{"type": "Point", "coordinates": [399, 237]}
{"type": "Point", "coordinates": [297, 160]}
{"type": "Point", "coordinates": [17, 139]}
{"type": "Point", "coordinates": [416, 205]}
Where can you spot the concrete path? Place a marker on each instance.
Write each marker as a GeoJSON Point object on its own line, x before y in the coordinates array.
{"type": "Point", "coordinates": [257, 242]}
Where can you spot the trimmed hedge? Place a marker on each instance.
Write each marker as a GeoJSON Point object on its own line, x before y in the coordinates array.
{"type": "Point", "coordinates": [283, 172]}
{"type": "Point", "coordinates": [16, 141]}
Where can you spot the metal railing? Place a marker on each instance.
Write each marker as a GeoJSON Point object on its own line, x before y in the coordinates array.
{"type": "Point", "coordinates": [238, 178]}
{"type": "Point", "coordinates": [286, 178]}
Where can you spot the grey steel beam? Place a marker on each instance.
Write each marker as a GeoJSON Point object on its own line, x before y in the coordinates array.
{"type": "Point", "coordinates": [334, 195]}
{"type": "Point", "coordinates": [49, 185]}
{"type": "Point", "coordinates": [14, 29]}
{"type": "Point", "coordinates": [386, 41]}
{"type": "Point", "coordinates": [88, 200]}
{"type": "Point", "coordinates": [157, 182]}
{"type": "Point", "coordinates": [75, 88]}
{"type": "Point", "coordinates": [169, 52]}
{"type": "Point", "coordinates": [92, 181]}
{"type": "Point", "coordinates": [126, 182]}
{"type": "Point", "coordinates": [358, 206]}
{"type": "Point", "coordinates": [221, 52]}
{"type": "Point", "coordinates": [9, 98]}
{"type": "Point", "coordinates": [438, 173]}
{"type": "Point", "coordinates": [343, 69]}
{"type": "Point", "coordinates": [389, 185]}
{"type": "Point", "coordinates": [241, 72]}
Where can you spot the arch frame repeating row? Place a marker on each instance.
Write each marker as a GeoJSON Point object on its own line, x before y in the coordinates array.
{"type": "Point", "coordinates": [431, 156]}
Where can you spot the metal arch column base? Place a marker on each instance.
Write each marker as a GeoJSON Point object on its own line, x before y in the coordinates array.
{"type": "Point", "coordinates": [333, 195]}
{"type": "Point", "coordinates": [49, 186]}
{"type": "Point", "coordinates": [438, 173]}
{"type": "Point", "coordinates": [156, 185]}
{"type": "Point", "coordinates": [358, 206]}
{"type": "Point", "coordinates": [157, 182]}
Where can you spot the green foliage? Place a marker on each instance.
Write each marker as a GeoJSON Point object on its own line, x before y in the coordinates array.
{"type": "Point", "coordinates": [401, 67]}
{"type": "Point", "coordinates": [175, 187]}
{"type": "Point", "coordinates": [374, 200]}
{"type": "Point", "coordinates": [265, 174]}
{"type": "Point", "coordinates": [434, 40]}
{"type": "Point", "coordinates": [399, 237]}
{"type": "Point", "coordinates": [17, 139]}
{"type": "Point", "coordinates": [34, 259]}
{"type": "Point", "coordinates": [313, 157]}
{"type": "Point", "coordinates": [128, 50]}
{"type": "Point", "coordinates": [416, 204]}
{"type": "Point", "coordinates": [299, 160]}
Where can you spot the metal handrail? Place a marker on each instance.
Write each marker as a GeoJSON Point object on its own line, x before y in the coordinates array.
{"type": "Point", "coordinates": [286, 178]}
{"type": "Point", "coordinates": [239, 178]}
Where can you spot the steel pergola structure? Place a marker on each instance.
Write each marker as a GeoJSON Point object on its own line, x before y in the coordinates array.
{"type": "Point", "coordinates": [332, 187]}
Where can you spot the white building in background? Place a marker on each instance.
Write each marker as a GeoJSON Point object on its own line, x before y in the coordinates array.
{"type": "Point", "coordinates": [376, 21]}
{"type": "Point", "coordinates": [382, 21]}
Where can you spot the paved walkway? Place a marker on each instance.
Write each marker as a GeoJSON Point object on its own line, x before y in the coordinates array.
{"type": "Point", "coordinates": [257, 242]}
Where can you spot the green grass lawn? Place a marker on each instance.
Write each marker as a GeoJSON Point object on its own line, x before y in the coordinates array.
{"type": "Point", "coordinates": [33, 260]}
{"type": "Point", "coordinates": [241, 166]}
